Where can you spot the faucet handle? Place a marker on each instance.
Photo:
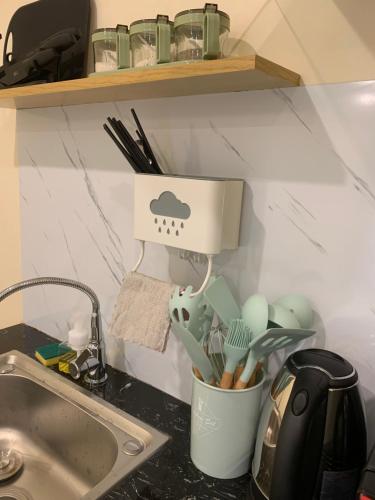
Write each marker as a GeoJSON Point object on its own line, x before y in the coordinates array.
{"type": "Point", "coordinates": [84, 362]}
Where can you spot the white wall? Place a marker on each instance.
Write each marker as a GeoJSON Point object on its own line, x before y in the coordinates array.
{"type": "Point", "coordinates": [10, 222]}
{"type": "Point", "coordinates": [308, 218]}
{"type": "Point", "coordinates": [323, 40]}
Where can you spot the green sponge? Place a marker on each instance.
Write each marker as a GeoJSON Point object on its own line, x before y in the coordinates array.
{"type": "Point", "coordinates": [50, 355]}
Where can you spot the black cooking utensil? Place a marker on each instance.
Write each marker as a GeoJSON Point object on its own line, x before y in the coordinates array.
{"type": "Point", "coordinates": [141, 161]}
{"type": "Point", "coordinates": [146, 143]}
{"type": "Point", "coordinates": [141, 164]}
{"type": "Point", "coordinates": [122, 149]}
{"type": "Point", "coordinates": [133, 147]}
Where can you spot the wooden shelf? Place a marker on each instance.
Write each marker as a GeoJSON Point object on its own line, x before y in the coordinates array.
{"type": "Point", "coordinates": [203, 77]}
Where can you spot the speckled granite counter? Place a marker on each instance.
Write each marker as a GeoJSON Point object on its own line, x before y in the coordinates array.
{"type": "Point", "coordinates": [170, 474]}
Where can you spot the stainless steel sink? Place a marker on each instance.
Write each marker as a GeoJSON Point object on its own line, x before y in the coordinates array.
{"type": "Point", "coordinates": [60, 442]}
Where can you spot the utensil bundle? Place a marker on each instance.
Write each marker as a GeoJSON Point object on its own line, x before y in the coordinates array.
{"type": "Point", "coordinates": [141, 159]}
{"type": "Point", "coordinates": [231, 355]}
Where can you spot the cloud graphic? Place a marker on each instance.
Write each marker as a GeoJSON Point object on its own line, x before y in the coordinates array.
{"type": "Point", "coordinates": [169, 206]}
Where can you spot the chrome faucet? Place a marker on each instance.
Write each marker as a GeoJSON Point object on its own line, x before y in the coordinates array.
{"type": "Point", "coordinates": [92, 359]}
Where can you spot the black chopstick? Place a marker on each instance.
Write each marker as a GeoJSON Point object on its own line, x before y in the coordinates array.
{"type": "Point", "coordinates": [147, 151]}
{"type": "Point", "coordinates": [138, 152]}
{"type": "Point", "coordinates": [122, 149]}
{"type": "Point", "coordinates": [135, 149]}
{"type": "Point", "coordinates": [130, 154]}
{"type": "Point", "coordinates": [132, 145]}
{"type": "Point", "coordinates": [123, 135]}
{"type": "Point", "coordinates": [146, 144]}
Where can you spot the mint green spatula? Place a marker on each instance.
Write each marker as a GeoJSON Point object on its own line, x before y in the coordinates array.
{"type": "Point", "coordinates": [196, 352]}
{"type": "Point", "coordinates": [271, 340]}
{"type": "Point", "coordinates": [219, 296]}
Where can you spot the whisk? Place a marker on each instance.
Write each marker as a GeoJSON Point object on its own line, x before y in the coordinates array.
{"type": "Point", "coordinates": [215, 349]}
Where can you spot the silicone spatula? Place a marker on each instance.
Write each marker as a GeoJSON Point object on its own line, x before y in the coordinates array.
{"type": "Point", "coordinates": [220, 298]}
{"type": "Point", "coordinates": [196, 352]}
{"type": "Point", "coordinates": [271, 340]}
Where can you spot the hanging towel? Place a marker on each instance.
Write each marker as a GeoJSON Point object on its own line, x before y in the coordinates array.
{"type": "Point", "coordinates": [141, 314]}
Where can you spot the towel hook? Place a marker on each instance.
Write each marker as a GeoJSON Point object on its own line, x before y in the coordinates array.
{"type": "Point", "coordinates": [141, 256]}
{"type": "Point", "coordinates": [205, 282]}
{"type": "Point", "coordinates": [210, 259]}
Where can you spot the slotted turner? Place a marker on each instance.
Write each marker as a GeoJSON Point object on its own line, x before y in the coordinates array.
{"type": "Point", "coordinates": [271, 340]}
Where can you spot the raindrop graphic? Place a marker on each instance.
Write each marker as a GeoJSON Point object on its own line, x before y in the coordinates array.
{"type": "Point", "coordinates": [177, 233]}
{"type": "Point", "coordinates": [168, 231]}
{"type": "Point", "coordinates": [164, 222]}
{"type": "Point", "coordinates": [173, 224]}
{"type": "Point", "coordinates": [159, 229]}
{"type": "Point", "coordinates": [182, 225]}
{"type": "Point", "coordinates": [156, 220]}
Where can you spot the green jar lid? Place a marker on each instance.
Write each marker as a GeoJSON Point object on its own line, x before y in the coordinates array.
{"type": "Point", "coordinates": [191, 16]}
{"type": "Point", "coordinates": [103, 30]}
{"type": "Point", "coordinates": [122, 28]}
{"type": "Point", "coordinates": [144, 25]}
{"type": "Point", "coordinates": [102, 34]}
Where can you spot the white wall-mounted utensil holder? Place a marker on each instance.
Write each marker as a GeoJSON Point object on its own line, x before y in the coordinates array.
{"type": "Point", "coordinates": [197, 214]}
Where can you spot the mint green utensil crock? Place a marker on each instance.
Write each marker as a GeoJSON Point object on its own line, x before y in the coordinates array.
{"type": "Point", "coordinates": [223, 428]}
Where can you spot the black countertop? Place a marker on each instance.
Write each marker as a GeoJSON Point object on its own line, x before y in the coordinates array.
{"type": "Point", "coordinates": [168, 475]}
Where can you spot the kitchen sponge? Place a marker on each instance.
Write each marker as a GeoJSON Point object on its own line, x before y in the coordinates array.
{"type": "Point", "coordinates": [50, 355]}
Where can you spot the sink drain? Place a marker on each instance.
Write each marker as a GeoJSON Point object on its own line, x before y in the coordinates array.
{"type": "Point", "coordinates": [14, 494]}
{"type": "Point", "coordinates": [10, 463]}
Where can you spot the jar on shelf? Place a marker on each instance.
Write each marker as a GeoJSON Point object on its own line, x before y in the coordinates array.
{"type": "Point", "coordinates": [111, 48]}
{"type": "Point", "coordinates": [152, 41]}
{"type": "Point", "coordinates": [201, 33]}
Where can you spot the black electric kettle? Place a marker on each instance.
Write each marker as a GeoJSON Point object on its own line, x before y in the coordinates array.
{"type": "Point", "coordinates": [311, 442]}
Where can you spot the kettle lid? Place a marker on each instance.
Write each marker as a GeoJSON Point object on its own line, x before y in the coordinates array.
{"type": "Point", "coordinates": [339, 371]}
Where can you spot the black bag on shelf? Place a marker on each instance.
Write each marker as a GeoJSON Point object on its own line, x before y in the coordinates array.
{"type": "Point", "coordinates": [49, 40]}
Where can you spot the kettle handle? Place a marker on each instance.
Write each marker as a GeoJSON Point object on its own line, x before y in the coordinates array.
{"type": "Point", "coordinates": [299, 444]}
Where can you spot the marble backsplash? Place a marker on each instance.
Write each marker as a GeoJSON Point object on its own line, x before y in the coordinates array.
{"type": "Point", "coordinates": [307, 156]}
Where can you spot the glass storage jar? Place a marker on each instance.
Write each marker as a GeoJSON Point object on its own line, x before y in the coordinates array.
{"type": "Point", "coordinates": [111, 48]}
{"type": "Point", "coordinates": [105, 49]}
{"type": "Point", "coordinates": [151, 41]}
{"type": "Point", "coordinates": [201, 33]}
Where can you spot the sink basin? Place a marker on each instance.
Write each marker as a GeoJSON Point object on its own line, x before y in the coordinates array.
{"type": "Point", "coordinates": [59, 441]}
